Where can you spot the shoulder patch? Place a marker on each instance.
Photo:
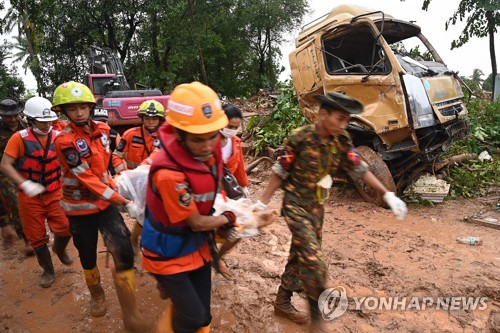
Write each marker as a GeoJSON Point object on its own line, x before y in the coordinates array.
{"type": "Point", "coordinates": [121, 145]}
{"type": "Point", "coordinates": [24, 133]}
{"type": "Point", "coordinates": [184, 193]}
{"type": "Point", "coordinates": [72, 157]}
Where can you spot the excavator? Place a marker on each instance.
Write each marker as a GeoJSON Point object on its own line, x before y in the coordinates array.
{"type": "Point", "coordinates": [112, 91]}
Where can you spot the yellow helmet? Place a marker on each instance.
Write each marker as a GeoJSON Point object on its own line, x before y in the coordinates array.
{"type": "Point", "coordinates": [151, 108]}
{"type": "Point", "coordinates": [71, 92]}
{"type": "Point", "coordinates": [195, 108]}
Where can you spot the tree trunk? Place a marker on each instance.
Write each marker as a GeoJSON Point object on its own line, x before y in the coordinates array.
{"type": "Point", "coordinates": [491, 34]}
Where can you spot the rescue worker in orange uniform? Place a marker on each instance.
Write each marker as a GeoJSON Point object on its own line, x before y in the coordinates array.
{"type": "Point", "coordinates": [30, 160]}
{"type": "Point", "coordinates": [91, 203]}
{"type": "Point", "coordinates": [138, 143]}
{"type": "Point", "coordinates": [232, 154]}
{"type": "Point", "coordinates": [178, 234]}
{"type": "Point", "coordinates": [10, 111]}
{"type": "Point", "coordinates": [101, 114]}
{"type": "Point", "coordinates": [59, 124]}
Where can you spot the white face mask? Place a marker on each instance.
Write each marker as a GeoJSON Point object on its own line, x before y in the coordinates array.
{"type": "Point", "coordinates": [228, 133]}
{"type": "Point", "coordinates": [38, 131]}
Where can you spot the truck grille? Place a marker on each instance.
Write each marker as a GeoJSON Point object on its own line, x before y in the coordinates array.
{"type": "Point", "coordinates": [450, 108]}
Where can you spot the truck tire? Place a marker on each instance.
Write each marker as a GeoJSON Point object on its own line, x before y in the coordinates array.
{"type": "Point", "coordinates": [378, 167]}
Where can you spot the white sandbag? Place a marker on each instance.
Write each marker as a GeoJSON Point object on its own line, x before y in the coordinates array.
{"type": "Point", "coordinates": [132, 185]}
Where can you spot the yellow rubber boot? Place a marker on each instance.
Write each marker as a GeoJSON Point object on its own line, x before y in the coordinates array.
{"type": "Point", "coordinates": [164, 323]}
{"type": "Point", "coordinates": [97, 299]}
{"type": "Point", "coordinates": [132, 319]}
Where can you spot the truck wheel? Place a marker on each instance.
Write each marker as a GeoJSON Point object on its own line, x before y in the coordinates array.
{"type": "Point", "coordinates": [380, 170]}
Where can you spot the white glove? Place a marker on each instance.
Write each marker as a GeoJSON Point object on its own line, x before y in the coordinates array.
{"type": "Point", "coordinates": [397, 205]}
{"type": "Point", "coordinates": [31, 188]}
{"type": "Point", "coordinates": [245, 191]}
{"type": "Point", "coordinates": [131, 208]}
{"type": "Point", "coordinates": [259, 206]}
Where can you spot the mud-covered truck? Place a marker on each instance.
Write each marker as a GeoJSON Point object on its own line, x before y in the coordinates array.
{"type": "Point", "coordinates": [414, 108]}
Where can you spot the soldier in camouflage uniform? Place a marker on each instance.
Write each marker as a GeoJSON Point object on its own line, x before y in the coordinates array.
{"type": "Point", "coordinates": [10, 124]}
{"type": "Point", "coordinates": [313, 155]}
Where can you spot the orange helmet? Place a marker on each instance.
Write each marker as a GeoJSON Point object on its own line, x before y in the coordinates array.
{"type": "Point", "coordinates": [195, 108]}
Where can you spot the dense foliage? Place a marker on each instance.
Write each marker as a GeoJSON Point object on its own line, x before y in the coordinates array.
{"type": "Point", "coordinates": [10, 85]}
{"type": "Point", "coordinates": [232, 45]}
{"type": "Point", "coordinates": [272, 130]}
{"type": "Point", "coordinates": [477, 177]}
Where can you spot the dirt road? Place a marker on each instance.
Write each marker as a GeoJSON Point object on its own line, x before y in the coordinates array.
{"type": "Point", "coordinates": [369, 252]}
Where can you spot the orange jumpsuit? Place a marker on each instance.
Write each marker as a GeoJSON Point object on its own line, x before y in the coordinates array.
{"type": "Point", "coordinates": [46, 206]}
{"type": "Point", "coordinates": [84, 156]}
{"type": "Point", "coordinates": [136, 145]}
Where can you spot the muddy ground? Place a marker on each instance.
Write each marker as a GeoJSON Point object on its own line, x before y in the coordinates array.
{"type": "Point", "coordinates": [369, 253]}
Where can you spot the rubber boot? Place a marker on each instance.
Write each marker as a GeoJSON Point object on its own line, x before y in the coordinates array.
{"type": "Point", "coordinates": [97, 299]}
{"type": "Point", "coordinates": [318, 324]}
{"type": "Point", "coordinates": [59, 248]}
{"type": "Point", "coordinates": [26, 248]}
{"type": "Point", "coordinates": [132, 319]}
{"type": "Point", "coordinates": [164, 323]}
{"type": "Point", "coordinates": [45, 261]}
{"type": "Point", "coordinates": [283, 307]}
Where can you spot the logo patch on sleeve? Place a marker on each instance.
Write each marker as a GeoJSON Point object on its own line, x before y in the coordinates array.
{"type": "Point", "coordinates": [72, 157]}
{"type": "Point", "coordinates": [184, 194]}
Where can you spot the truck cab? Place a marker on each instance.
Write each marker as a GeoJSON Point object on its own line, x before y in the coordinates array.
{"type": "Point", "coordinates": [112, 91]}
{"type": "Point", "coordinates": [414, 108]}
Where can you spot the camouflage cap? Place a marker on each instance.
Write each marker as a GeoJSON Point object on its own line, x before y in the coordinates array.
{"type": "Point", "coordinates": [10, 107]}
{"type": "Point", "coordinates": [338, 101]}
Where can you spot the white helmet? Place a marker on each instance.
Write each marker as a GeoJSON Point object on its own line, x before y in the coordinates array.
{"type": "Point", "coordinates": [39, 108]}
{"type": "Point", "coordinates": [100, 114]}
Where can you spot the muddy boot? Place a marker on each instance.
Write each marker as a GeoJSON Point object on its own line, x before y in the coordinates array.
{"type": "Point", "coordinates": [318, 324]}
{"type": "Point", "coordinates": [45, 261]}
{"type": "Point", "coordinates": [132, 319]}
{"type": "Point", "coordinates": [283, 307]}
{"type": "Point", "coordinates": [26, 248]}
{"type": "Point", "coordinates": [59, 248]}
{"type": "Point", "coordinates": [97, 299]}
{"type": "Point", "coordinates": [164, 322]}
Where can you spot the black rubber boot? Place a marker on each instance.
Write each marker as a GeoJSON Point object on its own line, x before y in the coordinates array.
{"type": "Point", "coordinates": [283, 307]}
{"type": "Point", "coordinates": [59, 248]}
{"type": "Point", "coordinates": [45, 261]}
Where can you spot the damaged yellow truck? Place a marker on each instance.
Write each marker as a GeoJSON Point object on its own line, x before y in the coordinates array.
{"type": "Point", "coordinates": [414, 107]}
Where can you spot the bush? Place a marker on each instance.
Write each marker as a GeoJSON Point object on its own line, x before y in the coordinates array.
{"type": "Point", "coordinates": [476, 178]}
{"type": "Point", "coordinates": [272, 130]}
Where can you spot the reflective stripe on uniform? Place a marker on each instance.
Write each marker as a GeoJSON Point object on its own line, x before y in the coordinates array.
{"type": "Point", "coordinates": [80, 169]}
{"type": "Point", "coordinates": [120, 168]}
{"type": "Point", "coordinates": [204, 197]}
{"type": "Point", "coordinates": [70, 181]}
{"type": "Point", "coordinates": [108, 193]}
{"type": "Point", "coordinates": [132, 165]}
{"type": "Point", "coordinates": [120, 154]}
{"type": "Point", "coordinates": [70, 207]}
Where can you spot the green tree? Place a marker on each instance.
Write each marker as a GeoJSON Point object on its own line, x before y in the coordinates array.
{"type": "Point", "coordinates": [10, 85]}
{"type": "Point", "coordinates": [488, 83]}
{"type": "Point", "coordinates": [482, 20]}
